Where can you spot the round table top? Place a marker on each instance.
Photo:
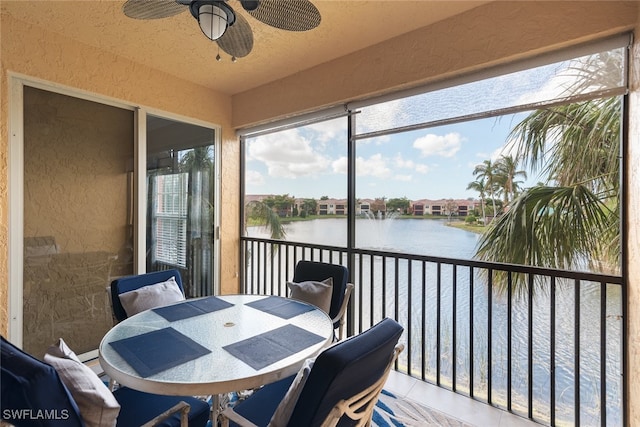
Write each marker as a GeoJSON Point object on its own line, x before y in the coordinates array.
{"type": "Point", "coordinates": [218, 371]}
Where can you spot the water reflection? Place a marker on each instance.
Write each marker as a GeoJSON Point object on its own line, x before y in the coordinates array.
{"type": "Point", "coordinates": [388, 280]}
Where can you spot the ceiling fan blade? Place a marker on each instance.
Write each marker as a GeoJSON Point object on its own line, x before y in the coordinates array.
{"type": "Point", "coordinates": [152, 9]}
{"type": "Point", "coordinates": [238, 39]}
{"type": "Point", "coordinates": [291, 15]}
{"type": "Point", "coordinates": [249, 4]}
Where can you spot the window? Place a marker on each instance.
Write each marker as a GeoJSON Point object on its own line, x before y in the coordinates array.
{"type": "Point", "coordinates": [170, 219]}
{"type": "Point", "coordinates": [304, 167]}
{"type": "Point", "coordinates": [510, 158]}
{"type": "Point", "coordinates": [537, 131]}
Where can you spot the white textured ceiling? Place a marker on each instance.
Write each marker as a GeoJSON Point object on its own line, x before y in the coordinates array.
{"type": "Point", "coordinates": [176, 46]}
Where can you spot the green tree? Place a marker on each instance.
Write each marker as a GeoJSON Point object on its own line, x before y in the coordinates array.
{"type": "Point", "coordinates": [480, 187]}
{"type": "Point", "coordinates": [507, 173]}
{"type": "Point", "coordinates": [265, 215]}
{"type": "Point", "coordinates": [198, 158]}
{"type": "Point", "coordinates": [486, 172]}
{"type": "Point", "coordinates": [282, 204]}
{"type": "Point", "coordinates": [450, 208]}
{"type": "Point", "coordinates": [309, 206]}
{"type": "Point", "coordinates": [379, 206]}
{"type": "Point", "coordinates": [401, 204]}
{"type": "Point", "coordinates": [575, 216]}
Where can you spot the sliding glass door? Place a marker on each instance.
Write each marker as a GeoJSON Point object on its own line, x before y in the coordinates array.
{"type": "Point", "coordinates": [181, 202]}
{"type": "Point", "coordinates": [80, 217]}
{"type": "Point", "coordinates": [78, 160]}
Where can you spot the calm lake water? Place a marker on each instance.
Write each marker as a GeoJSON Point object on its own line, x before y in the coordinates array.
{"type": "Point", "coordinates": [434, 237]}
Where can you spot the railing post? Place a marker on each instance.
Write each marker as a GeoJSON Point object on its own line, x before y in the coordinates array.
{"type": "Point", "coordinates": [351, 214]}
{"type": "Point", "coordinates": [540, 333]}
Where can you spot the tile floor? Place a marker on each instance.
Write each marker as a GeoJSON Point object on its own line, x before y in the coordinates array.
{"type": "Point", "coordinates": [464, 409]}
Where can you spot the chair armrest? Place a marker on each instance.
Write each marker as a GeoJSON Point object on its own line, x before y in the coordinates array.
{"type": "Point", "coordinates": [359, 407]}
{"type": "Point", "coordinates": [343, 309]}
{"type": "Point", "coordinates": [109, 298]}
{"type": "Point", "coordinates": [182, 407]}
{"type": "Point", "coordinates": [230, 414]}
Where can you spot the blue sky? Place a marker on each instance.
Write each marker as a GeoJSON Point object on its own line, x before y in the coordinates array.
{"type": "Point", "coordinates": [434, 163]}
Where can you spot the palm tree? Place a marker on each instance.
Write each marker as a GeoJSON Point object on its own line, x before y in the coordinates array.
{"type": "Point", "coordinates": [267, 216]}
{"type": "Point", "coordinates": [309, 206]}
{"type": "Point", "coordinates": [507, 171]}
{"type": "Point", "coordinates": [198, 158]}
{"type": "Point", "coordinates": [576, 215]}
{"type": "Point", "coordinates": [577, 218]}
{"type": "Point", "coordinates": [487, 172]}
{"type": "Point", "coordinates": [480, 187]}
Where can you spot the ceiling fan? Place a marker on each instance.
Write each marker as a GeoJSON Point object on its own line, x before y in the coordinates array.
{"type": "Point", "coordinates": [220, 23]}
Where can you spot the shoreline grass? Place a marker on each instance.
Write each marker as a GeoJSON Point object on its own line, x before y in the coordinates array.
{"type": "Point", "coordinates": [456, 222]}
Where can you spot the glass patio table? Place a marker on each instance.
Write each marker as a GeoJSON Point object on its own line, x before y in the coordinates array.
{"type": "Point", "coordinates": [214, 345]}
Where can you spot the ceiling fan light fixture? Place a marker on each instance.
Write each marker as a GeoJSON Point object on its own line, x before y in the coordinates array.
{"type": "Point", "coordinates": [213, 17]}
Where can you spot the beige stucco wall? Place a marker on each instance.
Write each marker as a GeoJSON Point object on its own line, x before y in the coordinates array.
{"type": "Point", "coordinates": [41, 55]}
{"type": "Point", "coordinates": [633, 237]}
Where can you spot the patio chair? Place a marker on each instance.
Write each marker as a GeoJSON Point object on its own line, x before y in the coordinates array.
{"type": "Point", "coordinates": [32, 393]}
{"type": "Point", "coordinates": [319, 271]}
{"type": "Point", "coordinates": [135, 282]}
{"type": "Point", "coordinates": [341, 387]}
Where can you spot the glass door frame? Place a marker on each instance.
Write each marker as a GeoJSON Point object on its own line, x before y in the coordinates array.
{"type": "Point", "coordinates": [15, 188]}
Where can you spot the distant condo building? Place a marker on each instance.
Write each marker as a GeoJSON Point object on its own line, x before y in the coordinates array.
{"type": "Point", "coordinates": [445, 207]}
{"type": "Point", "coordinates": [459, 207]}
{"type": "Point", "coordinates": [331, 206]}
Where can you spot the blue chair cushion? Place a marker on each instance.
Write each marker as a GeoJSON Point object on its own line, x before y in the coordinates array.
{"type": "Point", "coordinates": [339, 372]}
{"type": "Point", "coordinates": [138, 407]}
{"type": "Point", "coordinates": [263, 403]}
{"type": "Point", "coordinates": [29, 384]}
{"type": "Point", "coordinates": [318, 271]}
{"type": "Point", "coordinates": [343, 370]}
{"type": "Point", "coordinates": [130, 283]}
{"type": "Point", "coordinates": [32, 394]}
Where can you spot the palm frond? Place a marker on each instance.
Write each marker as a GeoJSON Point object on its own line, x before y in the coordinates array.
{"type": "Point", "coordinates": [556, 227]}
{"type": "Point", "coordinates": [267, 217]}
{"type": "Point", "coordinates": [576, 146]}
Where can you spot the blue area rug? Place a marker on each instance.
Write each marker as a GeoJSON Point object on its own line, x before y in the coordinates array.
{"type": "Point", "coordinates": [393, 412]}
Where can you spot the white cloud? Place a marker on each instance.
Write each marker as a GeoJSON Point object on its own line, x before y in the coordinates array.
{"type": "Point", "coordinates": [472, 165]}
{"type": "Point", "coordinates": [254, 178]}
{"type": "Point", "coordinates": [509, 148]}
{"type": "Point", "coordinates": [439, 145]}
{"type": "Point", "coordinates": [375, 166]}
{"type": "Point", "coordinates": [340, 165]}
{"type": "Point", "coordinates": [405, 178]}
{"type": "Point", "coordinates": [497, 153]}
{"type": "Point", "coordinates": [422, 168]}
{"type": "Point", "coordinates": [402, 163]}
{"type": "Point", "coordinates": [287, 154]}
